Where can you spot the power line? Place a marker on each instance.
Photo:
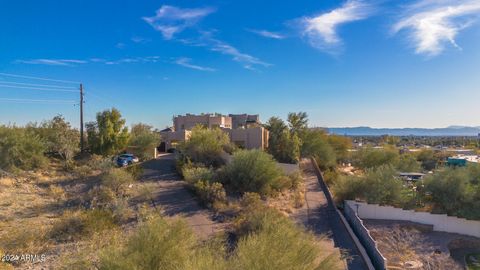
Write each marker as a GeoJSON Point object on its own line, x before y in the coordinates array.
{"type": "Point", "coordinates": [47, 101]}
{"type": "Point", "coordinates": [37, 78]}
{"type": "Point", "coordinates": [38, 88]}
{"type": "Point", "coordinates": [40, 85]}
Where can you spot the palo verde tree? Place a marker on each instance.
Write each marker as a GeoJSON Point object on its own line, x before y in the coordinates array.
{"type": "Point", "coordinates": [108, 134]}
{"type": "Point", "coordinates": [205, 146]}
{"type": "Point", "coordinates": [143, 140]}
{"type": "Point", "coordinates": [60, 138]}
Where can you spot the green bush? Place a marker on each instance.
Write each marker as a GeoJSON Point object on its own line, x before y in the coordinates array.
{"type": "Point", "coordinates": [273, 243]}
{"type": "Point", "coordinates": [76, 225]}
{"type": "Point", "coordinates": [408, 163]}
{"type": "Point", "coordinates": [117, 180]}
{"type": "Point", "coordinates": [193, 174]}
{"type": "Point", "coordinates": [316, 144]}
{"type": "Point", "coordinates": [252, 171]}
{"type": "Point", "coordinates": [136, 170]}
{"type": "Point", "coordinates": [378, 185]}
{"type": "Point", "coordinates": [368, 158]}
{"type": "Point", "coordinates": [21, 148]}
{"type": "Point", "coordinates": [205, 146]}
{"type": "Point", "coordinates": [157, 244]}
{"type": "Point", "coordinates": [210, 193]}
{"type": "Point", "coordinates": [269, 240]}
{"type": "Point", "coordinates": [143, 140]}
{"type": "Point", "coordinates": [456, 191]}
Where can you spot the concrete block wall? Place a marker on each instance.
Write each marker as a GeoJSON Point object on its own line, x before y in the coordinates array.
{"type": "Point", "coordinates": [442, 223]}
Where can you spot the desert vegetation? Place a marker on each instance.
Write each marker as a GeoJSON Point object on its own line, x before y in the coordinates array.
{"type": "Point", "coordinates": [264, 239]}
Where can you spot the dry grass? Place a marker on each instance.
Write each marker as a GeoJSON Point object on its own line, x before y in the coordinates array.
{"type": "Point", "coordinates": [404, 244]}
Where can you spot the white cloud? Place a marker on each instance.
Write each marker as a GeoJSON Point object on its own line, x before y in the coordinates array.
{"type": "Point", "coordinates": [247, 60]}
{"type": "Point", "coordinates": [170, 20]}
{"type": "Point", "coordinates": [186, 62]}
{"type": "Point", "coordinates": [52, 62]}
{"type": "Point", "coordinates": [72, 62]}
{"type": "Point", "coordinates": [434, 23]}
{"type": "Point", "coordinates": [267, 34]}
{"type": "Point", "coordinates": [321, 30]}
{"type": "Point", "coordinates": [137, 39]}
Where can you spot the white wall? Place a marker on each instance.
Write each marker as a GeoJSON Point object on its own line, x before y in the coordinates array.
{"type": "Point", "coordinates": [441, 223]}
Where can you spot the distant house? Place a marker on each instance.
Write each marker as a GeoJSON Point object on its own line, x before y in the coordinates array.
{"type": "Point", "coordinates": [462, 160]}
{"type": "Point", "coordinates": [411, 176]}
{"type": "Point", "coordinates": [244, 130]}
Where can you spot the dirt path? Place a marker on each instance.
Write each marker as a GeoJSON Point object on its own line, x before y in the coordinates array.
{"type": "Point", "coordinates": [171, 193]}
{"type": "Point", "coordinates": [319, 216]}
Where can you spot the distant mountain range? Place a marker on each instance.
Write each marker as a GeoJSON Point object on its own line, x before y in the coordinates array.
{"type": "Point", "coordinates": [368, 131]}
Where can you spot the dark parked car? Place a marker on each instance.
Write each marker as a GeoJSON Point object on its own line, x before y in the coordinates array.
{"type": "Point", "coordinates": [126, 159]}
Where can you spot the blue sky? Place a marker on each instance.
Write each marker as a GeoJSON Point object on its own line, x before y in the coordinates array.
{"type": "Point", "coordinates": [346, 63]}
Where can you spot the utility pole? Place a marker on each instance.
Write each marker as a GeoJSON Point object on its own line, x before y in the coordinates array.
{"type": "Point", "coordinates": [81, 119]}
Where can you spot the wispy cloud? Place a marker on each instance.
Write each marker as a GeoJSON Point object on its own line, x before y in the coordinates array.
{"type": "Point", "coordinates": [137, 39]}
{"type": "Point", "coordinates": [52, 62]}
{"type": "Point", "coordinates": [74, 62]}
{"type": "Point", "coordinates": [186, 62]}
{"type": "Point", "coordinates": [267, 34]}
{"type": "Point", "coordinates": [321, 30]}
{"type": "Point", "coordinates": [120, 45]}
{"type": "Point", "coordinates": [432, 24]}
{"type": "Point", "coordinates": [248, 61]}
{"type": "Point", "coordinates": [170, 20]}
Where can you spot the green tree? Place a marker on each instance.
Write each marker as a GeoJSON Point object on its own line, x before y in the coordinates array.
{"type": "Point", "coordinates": [205, 146]}
{"type": "Point", "coordinates": [60, 137]}
{"type": "Point", "coordinates": [408, 163]}
{"type": "Point", "coordinates": [456, 191]}
{"type": "Point", "coordinates": [377, 185]}
{"type": "Point", "coordinates": [108, 135]}
{"type": "Point", "coordinates": [341, 145]}
{"type": "Point", "coordinates": [252, 171]}
{"type": "Point", "coordinates": [282, 144]}
{"type": "Point", "coordinates": [297, 122]}
{"type": "Point", "coordinates": [21, 148]}
{"type": "Point", "coordinates": [143, 139]}
{"type": "Point", "coordinates": [315, 144]}
{"type": "Point", "coordinates": [368, 158]}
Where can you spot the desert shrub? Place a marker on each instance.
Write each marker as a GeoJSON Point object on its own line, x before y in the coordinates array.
{"type": "Point", "coordinates": [157, 244]}
{"type": "Point", "coordinates": [368, 158]}
{"type": "Point", "coordinates": [251, 201]}
{"type": "Point", "coordinates": [205, 146]}
{"type": "Point", "coordinates": [76, 225]}
{"type": "Point", "coordinates": [252, 171]}
{"type": "Point", "coordinates": [21, 149]}
{"type": "Point", "coordinates": [143, 140]}
{"type": "Point", "coordinates": [97, 162]}
{"type": "Point", "coordinates": [269, 240]}
{"type": "Point", "coordinates": [193, 174]}
{"type": "Point", "coordinates": [330, 176]}
{"type": "Point", "coordinates": [456, 191]}
{"type": "Point", "coordinates": [136, 170]}
{"type": "Point", "coordinates": [315, 144]}
{"type": "Point", "coordinates": [210, 193]}
{"type": "Point", "coordinates": [296, 179]}
{"type": "Point", "coordinates": [101, 197]}
{"type": "Point", "coordinates": [347, 188]}
{"type": "Point", "coordinates": [375, 186]}
{"type": "Point", "coordinates": [408, 163]}
{"type": "Point", "coordinates": [117, 180]}
{"type": "Point", "coordinates": [23, 238]}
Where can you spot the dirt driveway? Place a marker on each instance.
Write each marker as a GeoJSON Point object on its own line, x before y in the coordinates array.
{"type": "Point", "coordinates": [172, 194]}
